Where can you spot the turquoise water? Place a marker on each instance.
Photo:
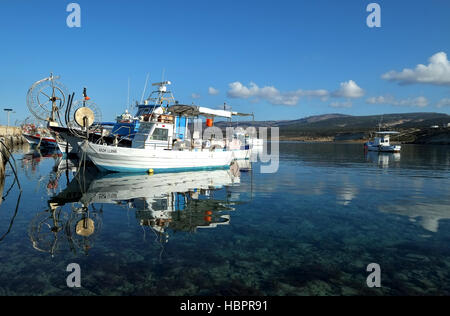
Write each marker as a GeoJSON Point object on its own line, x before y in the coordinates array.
{"type": "Point", "coordinates": [310, 229]}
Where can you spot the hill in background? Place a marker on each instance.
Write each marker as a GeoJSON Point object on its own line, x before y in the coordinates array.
{"type": "Point", "coordinates": [347, 127]}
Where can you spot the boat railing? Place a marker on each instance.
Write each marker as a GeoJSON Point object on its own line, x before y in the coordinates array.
{"type": "Point", "coordinates": [125, 128]}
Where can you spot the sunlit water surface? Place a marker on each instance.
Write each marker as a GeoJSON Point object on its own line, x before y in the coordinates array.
{"type": "Point", "coordinates": [309, 229]}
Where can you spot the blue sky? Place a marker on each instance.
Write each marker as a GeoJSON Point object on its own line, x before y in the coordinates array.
{"type": "Point", "coordinates": [279, 59]}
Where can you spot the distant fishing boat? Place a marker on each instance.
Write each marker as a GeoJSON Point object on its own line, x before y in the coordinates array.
{"type": "Point", "coordinates": [382, 143]}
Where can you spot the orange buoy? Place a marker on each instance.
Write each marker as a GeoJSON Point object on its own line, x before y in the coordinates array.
{"type": "Point", "coordinates": [208, 219]}
{"type": "Point", "coordinates": [208, 213]}
{"type": "Point", "coordinates": [209, 122]}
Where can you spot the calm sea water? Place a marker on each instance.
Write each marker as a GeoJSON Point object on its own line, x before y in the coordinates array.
{"type": "Point", "coordinates": [310, 229]}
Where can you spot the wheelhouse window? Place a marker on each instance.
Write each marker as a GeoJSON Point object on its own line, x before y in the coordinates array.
{"type": "Point", "coordinates": [160, 134]}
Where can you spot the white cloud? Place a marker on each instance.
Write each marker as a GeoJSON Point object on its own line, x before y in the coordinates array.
{"type": "Point", "coordinates": [195, 96]}
{"type": "Point", "coordinates": [213, 91]}
{"type": "Point", "coordinates": [350, 90]}
{"type": "Point", "coordinates": [420, 102]}
{"type": "Point", "coordinates": [381, 100]}
{"type": "Point", "coordinates": [437, 72]}
{"type": "Point", "coordinates": [268, 93]}
{"type": "Point", "coordinates": [443, 102]}
{"type": "Point", "coordinates": [321, 93]}
{"type": "Point", "coordinates": [390, 100]}
{"type": "Point", "coordinates": [238, 90]}
{"type": "Point", "coordinates": [344, 104]}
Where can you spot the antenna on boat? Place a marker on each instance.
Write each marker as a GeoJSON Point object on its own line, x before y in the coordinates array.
{"type": "Point", "coordinates": [145, 88]}
{"type": "Point", "coordinates": [161, 92]}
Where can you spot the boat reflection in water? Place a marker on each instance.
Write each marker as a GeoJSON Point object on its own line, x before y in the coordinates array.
{"type": "Point", "coordinates": [384, 160]}
{"type": "Point", "coordinates": [33, 157]}
{"type": "Point", "coordinates": [162, 202]}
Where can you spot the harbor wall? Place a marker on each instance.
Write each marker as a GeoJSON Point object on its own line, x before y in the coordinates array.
{"type": "Point", "coordinates": [11, 135]}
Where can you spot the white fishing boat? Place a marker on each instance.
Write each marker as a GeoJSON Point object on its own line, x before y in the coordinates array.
{"type": "Point", "coordinates": [151, 159]}
{"type": "Point", "coordinates": [156, 147]}
{"type": "Point", "coordinates": [382, 143]}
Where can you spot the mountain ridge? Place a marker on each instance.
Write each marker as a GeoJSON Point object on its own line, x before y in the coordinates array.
{"type": "Point", "coordinates": [342, 127]}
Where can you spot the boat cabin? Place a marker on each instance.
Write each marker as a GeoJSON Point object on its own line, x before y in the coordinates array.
{"type": "Point", "coordinates": [382, 141]}
{"type": "Point", "coordinates": [154, 135]}
{"type": "Point", "coordinates": [160, 130]}
{"type": "Point", "coordinates": [383, 138]}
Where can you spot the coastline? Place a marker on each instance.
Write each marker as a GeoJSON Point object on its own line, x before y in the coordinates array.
{"type": "Point", "coordinates": [359, 141]}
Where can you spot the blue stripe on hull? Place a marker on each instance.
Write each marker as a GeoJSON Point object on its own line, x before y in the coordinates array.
{"type": "Point", "coordinates": [165, 170]}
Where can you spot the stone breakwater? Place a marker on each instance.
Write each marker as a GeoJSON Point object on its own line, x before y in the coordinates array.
{"type": "Point", "coordinates": [11, 135]}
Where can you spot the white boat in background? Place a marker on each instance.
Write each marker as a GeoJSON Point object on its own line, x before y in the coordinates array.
{"type": "Point", "coordinates": [382, 143]}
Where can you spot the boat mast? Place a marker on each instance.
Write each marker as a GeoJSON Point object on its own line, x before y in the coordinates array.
{"type": "Point", "coordinates": [145, 88]}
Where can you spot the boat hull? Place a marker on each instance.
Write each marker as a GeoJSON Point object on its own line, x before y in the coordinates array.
{"type": "Point", "coordinates": [33, 140]}
{"type": "Point", "coordinates": [384, 149]}
{"type": "Point", "coordinates": [243, 154]}
{"type": "Point", "coordinates": [136, 160]}
{"type": "Point", "coordinates": [64, 147]}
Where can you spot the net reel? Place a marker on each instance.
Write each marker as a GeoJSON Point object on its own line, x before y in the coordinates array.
{"type": "Point", "coordinates": [47, 230]}
{"type": "Point", "coordinates": [83, 226]}
{"type": "Point", "coordinates": [46, 98]}
{"type": "Point", "coordinates": [83, 116]}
